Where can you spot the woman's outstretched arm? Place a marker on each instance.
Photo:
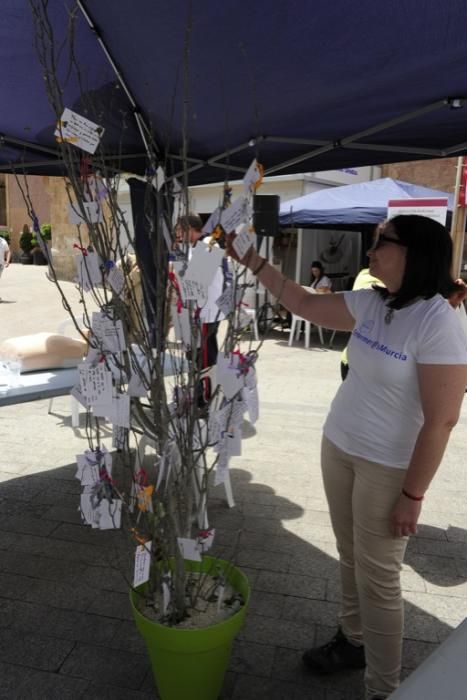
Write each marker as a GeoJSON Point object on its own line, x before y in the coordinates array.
{"type": "Point", "coordinates": [328, 310]}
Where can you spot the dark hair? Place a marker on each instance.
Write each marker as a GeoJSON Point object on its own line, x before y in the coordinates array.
{"type": "Point", "coordinates": [428, 262]}
{"type": "Point", "coordinates": [190, 221]}
{"type": "Point", "coordinates": [319, 265]}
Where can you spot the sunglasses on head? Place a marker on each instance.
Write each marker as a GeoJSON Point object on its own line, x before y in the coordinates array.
{"type": "Point", "coordinates": [382, 238]}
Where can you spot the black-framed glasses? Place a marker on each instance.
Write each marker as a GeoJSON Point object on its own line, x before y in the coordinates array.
{"type": "Point", "coordinates": [382, 238]}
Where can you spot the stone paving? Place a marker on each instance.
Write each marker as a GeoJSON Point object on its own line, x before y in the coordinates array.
{"type": "Point", "coordinates": [65, 626]}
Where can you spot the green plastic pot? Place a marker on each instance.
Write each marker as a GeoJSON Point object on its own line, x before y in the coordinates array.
{"type": "Point", "coordinates": [191, 663]}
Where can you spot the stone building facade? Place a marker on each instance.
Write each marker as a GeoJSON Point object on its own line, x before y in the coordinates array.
{"type": "Point", "coordinates": [50, 201]}
{"type": "Point", "coordinates": [439, 174]}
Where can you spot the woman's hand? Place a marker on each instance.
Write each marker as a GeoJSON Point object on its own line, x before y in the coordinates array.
{"type": "Point", "coordinates": [459, 295]}
{"type": "Point", "coordinates": [405, 516]}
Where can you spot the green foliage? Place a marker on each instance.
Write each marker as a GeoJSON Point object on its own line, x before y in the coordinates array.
{"type": "Point", "coordinates": [4, 233]}
{"type": "Point", "coordinates": [46, 232]}
{"type": "Point", "coordinates": [25, 242]}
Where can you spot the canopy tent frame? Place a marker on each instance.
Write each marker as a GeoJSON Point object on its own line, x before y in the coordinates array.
{"type": "Point", "coordinates": [153, 149]}
{"type": "Point", "coordinates": [204, 158]}
{"type": "Point", "coordinates": [198, 163]}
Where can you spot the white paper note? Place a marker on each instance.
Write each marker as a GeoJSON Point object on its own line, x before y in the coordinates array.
{"type": "Point", "coordinates": [217, 423]}
{"type": "Point", "coordinates": [242, 244]}
{"type": "Point", "coordinates": [95, 383]}
{"type": "Point", "coordinates": [119, 437]}
{"type": "Point", "coordinates": [252, 175]}
{"type": "Point", "coordinates": [139, 379]}
{"type": "Point", "coordinates": [226, 301]}
{"type": "Point", "coordinates": [189, 549]}
{"type": "Point", "coordinates": [159, 178]}
{"type": "Point", "coordinates": [87, 473]}
{"type": "Point", "coordinates": [228, 374]}
{"type": "Point", "coordinates": [182, 326]}
{"type": "Point", "coordinates": [236, 408]}
{"type": "Point", "coordinates": [166, 595]}
{"type": "Point", "coordinates": [121, 411]}
{"type": "Point", "coordinates": [142, 564]}
{"type": "Point", "coordinates": [238, 213]}
{"type": "Point", "coordinates": [213, 221]}
{"type": "Point", "coordinates": [79, 131]}
{"type": "Point", "coordinates": [206, 538]}
{"type": "Point", "coordinates": [108, 332]}
{"type": "Point", "coordinates": [89, 464]}
{"type": "Point", "coordinates": [86, 509]}
{"type": "Point", "coordinates": [88, 270]}
{"type": "Point", "coordinates": [204, 264]}
{"type": "Point", "coordinates": [109, 514]}
{"type": "Point", "coordinates": [116, 279]}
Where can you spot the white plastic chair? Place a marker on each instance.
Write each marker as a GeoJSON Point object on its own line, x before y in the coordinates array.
{"type": "Point", "coordinates": [296, 326]}
{"type": "Point", "coordinates": [253, 322]}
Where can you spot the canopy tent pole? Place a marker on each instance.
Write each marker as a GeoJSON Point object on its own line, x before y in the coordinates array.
{"type": "Point", "coordinates": [145, 133]}
{"type": "Point", "coordinates": [458, 220]}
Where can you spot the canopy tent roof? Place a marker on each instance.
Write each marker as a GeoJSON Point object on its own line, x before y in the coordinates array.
{"type": "Point", "coordinates": [301, 85]}
{"type": "Point", "coordinates": [363, 203]}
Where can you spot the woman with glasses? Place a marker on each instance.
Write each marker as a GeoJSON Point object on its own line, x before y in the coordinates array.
{"type": "Point", "coordinates": [386, 431]}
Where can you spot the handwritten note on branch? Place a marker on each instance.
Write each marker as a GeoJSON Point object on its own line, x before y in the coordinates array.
{"type": "Point", "coordinates": [79, 131]}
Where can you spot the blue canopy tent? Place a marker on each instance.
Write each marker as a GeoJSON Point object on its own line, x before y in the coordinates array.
{"type": "Point", "coordinates": [363, 203]}
{"type": "Point", "coordinates": [203, 88]}
{"type": "Point", "coordinates": [302, 86]}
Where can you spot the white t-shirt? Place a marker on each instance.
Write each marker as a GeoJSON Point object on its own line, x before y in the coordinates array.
{"type": "Point", "coordinates": [4, 248]}
{"type": "Point", "coordinates": [210, 311]}
{"type": "Point", "coordinates": [377, 413]}
{"type": "Point", "coordinates": [323, 282]}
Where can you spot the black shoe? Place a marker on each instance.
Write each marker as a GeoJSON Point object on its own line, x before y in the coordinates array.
{"type": "Point", "coordinates": [337, 655]}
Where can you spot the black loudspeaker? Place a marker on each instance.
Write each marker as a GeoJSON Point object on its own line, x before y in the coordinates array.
{"type": "Point", "coordinates": [266, 214]}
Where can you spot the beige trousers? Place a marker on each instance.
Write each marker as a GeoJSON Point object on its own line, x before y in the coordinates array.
{"type": "Point", "coordinates": [361, 495]}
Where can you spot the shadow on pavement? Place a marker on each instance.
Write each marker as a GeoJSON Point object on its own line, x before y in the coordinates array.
{"type": "Point", "coordinates": [65, 625]}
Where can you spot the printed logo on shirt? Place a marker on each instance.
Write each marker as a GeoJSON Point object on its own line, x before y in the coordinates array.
{"type": "Point", "coordinates": [362, 334]}
{"type": "Point", "coordinates": [367, 327]}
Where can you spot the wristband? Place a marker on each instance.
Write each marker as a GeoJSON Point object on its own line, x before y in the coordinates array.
{"type": "Point", "coordinates": [260, 267]}
{"type": "Point", "coordinates": [411, 497]}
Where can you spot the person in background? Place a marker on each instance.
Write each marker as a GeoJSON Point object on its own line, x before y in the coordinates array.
{"type": "Point", "coordinates": [319, 282]}
{"type": "Point", "coordinates": [363, 280]}
{"type": "Point", "coordinates": [386, 431]}
{"type": "Point", "coordinates": [133, 297]}
{"type": "Point", "coordinates": [189, 230]}
{"type": "Point", "coordinates": [5, 255]}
